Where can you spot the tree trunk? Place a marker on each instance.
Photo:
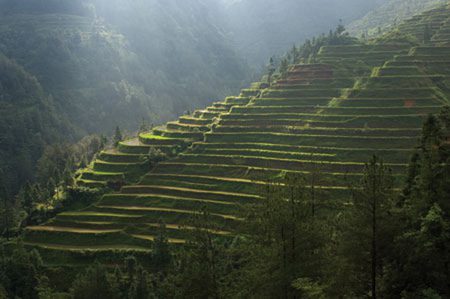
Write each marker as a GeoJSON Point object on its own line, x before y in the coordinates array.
{"type": "Point", "coordinates": [374, 242]}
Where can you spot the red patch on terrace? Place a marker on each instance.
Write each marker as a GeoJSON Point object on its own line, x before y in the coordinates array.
{"type": "Point", "coordinates": [409, 103]}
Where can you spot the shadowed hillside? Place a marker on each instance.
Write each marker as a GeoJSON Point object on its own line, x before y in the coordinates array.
{"type": "Point", "coordinates": [103, 64]}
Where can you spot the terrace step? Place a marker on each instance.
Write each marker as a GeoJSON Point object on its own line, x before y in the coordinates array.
{"type": "Point", "coordinates": [87, 248]}
{"type": "Point", "coordinates": [192, 193]}
{"type": "Point", "coordinates": [145, 210]}
{"type": "Point", "coordinates": [379, 142]}
{"type": "Point", "coordinates": [408, 132]}
{"type": "Point", "coordinates": [278, 163]}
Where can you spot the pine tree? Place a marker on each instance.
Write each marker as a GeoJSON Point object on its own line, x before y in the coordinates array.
{"type": "Point", "coordinates": [93, 284]}
{"type": "Point", "coordinates": [200, 275]}
{"type": "Point", "coordinates": [285, 243]}
{"type": "Point", "coordinates": [161, 255]}
{"type": "Point", "coordinates": [7, 210]}
{"type": "Point", "coordinates": [294, 54]}
{"type": "Point", "coordinates": [117, 136]}
{"type": "Point", "coordinates": [284, 66]}
{"type": "Point", "coordinates": [426, 34]}
{"type": "Point", "coordinates": [270, 69]}
{"type": "Point", "coordinates": [368, 234]}
{"type": "Point", "coordinates": [144, 127]}
{"type": "Point", "coordinates": [419, 263]}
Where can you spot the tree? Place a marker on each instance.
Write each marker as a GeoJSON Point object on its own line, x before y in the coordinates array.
{"type": "Point", "coordinates": [94, 283]}
{"type": "Point", "coordinates": [294, 54]}
{"type": "Point", "coordinates": [20, 271]}
{"type": "Point", "coordinates": [26, 199]}
{"type": "Point", "coordinates": [155, 156]}
{"type": "Point", "coordinates": [161, 255]}
{"type": "Point", "coordinates": [144, 127]}
{"type": "Point", "coordinates": [284, 245]}
{"type": "Point", "coordinates": [7, 210]}
{"type": "Point", "coordinates": [117, 136]}
{"type": "Point", "coordinates": [270, 70]}
{"type": "Point", "coordinates": [367, 232]}
{"type": "Point", "coordinates": [419, 263]}
{"type": "Point", "coordinates": [426, 34]}
{"type": "Point", "coordinates": [200, 269]}
{"type": "Point", "coordinates": [284, 66]}
{"type": "Point", "coordinates": [340, 28]}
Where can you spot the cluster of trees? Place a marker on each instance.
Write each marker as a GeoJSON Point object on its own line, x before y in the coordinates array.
{"type": "Point", "coordinates": [39, 199]}
{"type": "Point", "coordinates": [307, 52]}
{"type": "Point", "coordinates": [383, 243]}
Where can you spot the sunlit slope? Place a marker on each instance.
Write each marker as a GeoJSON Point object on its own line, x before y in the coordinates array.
{"type": "Point", "coordinates": [324, 120]}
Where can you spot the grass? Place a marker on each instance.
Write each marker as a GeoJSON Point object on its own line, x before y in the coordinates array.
{"type": "Point", "coordinates": [151, 136]}
{"type": "Point", "coordinates": [92, 247]}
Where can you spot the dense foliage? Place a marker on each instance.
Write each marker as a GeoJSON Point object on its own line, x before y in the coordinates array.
{"type": "Point", "coordinates": [28, 122]}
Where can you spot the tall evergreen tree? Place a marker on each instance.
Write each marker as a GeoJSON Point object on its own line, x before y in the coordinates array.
{"type": "Point", "coordinates": [117, 136]}
{"type": "Point", "coordinates": [285, 245]}
{"type": "Point", "coordinates": [419, 264]}
{"type": "Point", "coordinates": [368, 233]}
{"type": "Point", "coordinates": [161, 255]}
{"type": "Point", "coordinates": [200, 271]}
{"type": "Point", "coordinates": [94, 283]}
{"type": "Point", "coordinates": [270, 70]}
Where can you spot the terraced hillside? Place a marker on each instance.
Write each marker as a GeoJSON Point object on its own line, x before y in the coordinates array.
{"type": "Point", "coordinates": [324, 120]}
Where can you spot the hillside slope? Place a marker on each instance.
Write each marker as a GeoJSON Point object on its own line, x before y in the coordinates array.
{"type": "Point", "coordinates": [99, 64]}
{"type": "Point", "coordinates": [28, 121]}
{"type": "Point", "coordinates": [324, 120]}
{"type": "Point", "coordinates": [265, 28]}
{"type": "Point", "coordinates": [85, 55]}
{"type": "Point", "coordinates": [390, 14]}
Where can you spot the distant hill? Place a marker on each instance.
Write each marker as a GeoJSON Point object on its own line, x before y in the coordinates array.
{"type": "Point", "coordinates": [28, 121]}
{"type": "Point", "coordinates": [96, 64]}
{"type": "Point", "coordinates": [124, 60]}
{"type": "Point", "coordinates": [262, 28]}
{"type": "Point", "coordinates": [389, 14]}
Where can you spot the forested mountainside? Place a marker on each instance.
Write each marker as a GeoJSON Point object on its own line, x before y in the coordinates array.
{"type": "Point", "coordinates": [262, 28]}
{"type": "Point", "coordinates": [29, 120]}
{"type": "Point", "coordinates": [101, 64]}
{"type": "Point", "coordinates": [388, 15]}
{"type": "Point", "coordinates": [125, 61]}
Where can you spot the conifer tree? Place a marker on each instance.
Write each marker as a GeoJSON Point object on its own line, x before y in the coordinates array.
{"type": "Point", "coordinates": [144, 127]}
{"type": "Point", "coordinates": [419, 263]}
{"type": "Point", "coordinates": [284, 66]}
{"type": "Point", "coordinates": [367, 236]}
{"type": "Point", "coordinates": [270, 70]}
{"type": "Point", "coordinates": [161, 255]}
{"type": "Point", "coordinates": [94, 283]}
{"type": "Point", "coordinates": [117, 136]}
{"type": "Point", "coordinates": [426, 34]}
{"type": "Point", "coordinates": [200, 275]}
